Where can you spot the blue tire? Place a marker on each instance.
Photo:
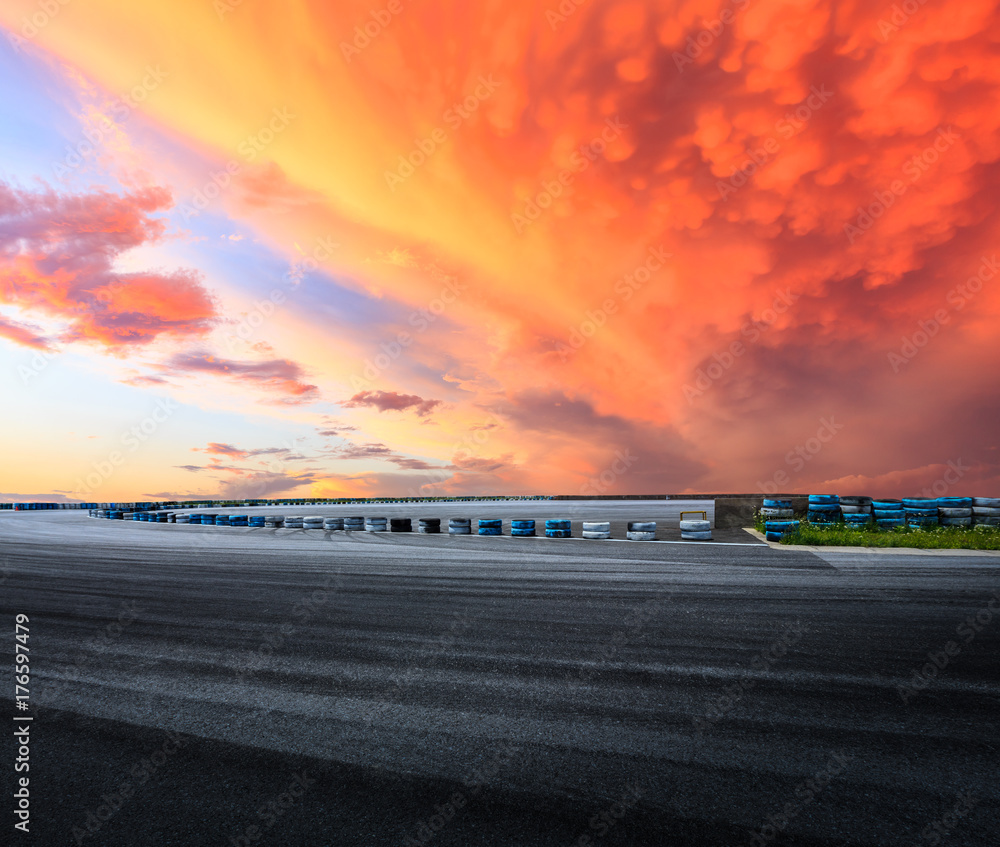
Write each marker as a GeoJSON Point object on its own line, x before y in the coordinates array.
{"type": "Point", "coordinates": [777, 504]}
{"type": "Point", "coordinates": [887, 505]}
{"type": "Point", "coordinates": [780, 526]}
{"type": "Point", "coordinates": [558, 533]}
{"type": "Point", "coordinates": [919, 503]}
{"type": "Point", "coordinates": [773, 536]}
{"type": "Point", "coordinates": [522, 533]}
{"type": "Point", "coordinates": [954, 502]}
{"type": "Point", "coordinates": [558, 523]}
{"type": "Point", "coordinates": [824, 500]}
{"type": "Point", "coordinates": [489, 530]}
{"type": "Point", "coordinates": [522, 524]}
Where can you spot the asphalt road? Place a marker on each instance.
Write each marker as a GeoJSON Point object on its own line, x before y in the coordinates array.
{"type": "Point", "coordinates": [192, 683]}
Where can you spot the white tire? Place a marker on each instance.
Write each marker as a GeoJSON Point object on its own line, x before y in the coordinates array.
{"type": "Point", "coordinates": [856, 510]}
{"type": "Point", "coordinates": [696, 536]}
{"type": "Point", "coordinates": [986, 511]}
{"type": "Point", "coordinates": [596, 526]}
{"type": "Point", "coordinates": [596, 535]}
{"type": "Point", "coordinates": [777, 513]}
{"type": "Point", "coordinates": [955, 513]}
{"type": "Point", "coordinates": [989, 502]}
{"type": "Point", "coordinates": [638, 535]}
{"type": "Point", "coordinates": [696, 526]}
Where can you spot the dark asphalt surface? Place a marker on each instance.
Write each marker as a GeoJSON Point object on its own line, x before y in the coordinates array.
{"type": "Point", "coordinates": [191, 683]}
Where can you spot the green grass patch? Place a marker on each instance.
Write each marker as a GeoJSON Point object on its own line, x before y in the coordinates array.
{"type": "Point", "coordinates": [931, 538]}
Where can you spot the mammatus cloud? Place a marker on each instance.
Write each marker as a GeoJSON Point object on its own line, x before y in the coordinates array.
{"type": "Point", "coordinates": [699, 234]}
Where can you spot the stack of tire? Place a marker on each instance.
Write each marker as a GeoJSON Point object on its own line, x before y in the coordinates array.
{"type": "Point", "coordinates": [856, 511]}
{"type": "Point", "coordinates": [920, 511]}
{"type": "Point", "coordinates": [775, 530]}
{"type": "Point", "coordinates": [954, 511]}
{"type": "Point", "coordinates": [354, 524]}
{"type": "Point", "coordinates": [523, 528]}
{"type": "Point", "coordinates": [459, 526]}
{"type": "Point", "coordinates": [889, 513]}
{"type": "Point", "coordinates": [312, 522]}
{"type": "Point", "coordinates": [696, 530]}
{"type": "Point", "coordinates": [429, 526]}
{"type": "Point", "coordinates": [824, 509]}
{"type": "Point", "coordinates": [986, 511]}
{"type": "Point", "coordinates": [558, 528]}
{"type": "Point", "coordinates": [400, 525]}
{"type": "Point", "coordinates": [777, 510]}
{"type": "Point", "coordinates": [644, 531]}
{"type": "Point", "coordinates": [490, 526]}
{"type": "Point", "coordinates": [376, 524]}
{"type": "Point", "coordinates": [333, 524]}
{"type": "Point", "coordinates": [274, 521]}
{"type": "Point", "coordinates": [294, 522]}
{"type": "Point", "coordinates": [596, 530]}
{"type": "Point", "coordinates": [256, 521]}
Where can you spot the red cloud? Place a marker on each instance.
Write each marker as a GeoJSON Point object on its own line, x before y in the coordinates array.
{"type": "Point", "coordinates": [278, 375]}
{"type": "Point", "coordinates": [23, 334]}
{"type": "Point", "coordinates": [57, 252]}
{"type": "Point", "coordinates": [386, 401]}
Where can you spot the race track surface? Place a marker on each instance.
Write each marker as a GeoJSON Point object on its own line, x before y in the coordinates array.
{"type": "Point", "coordinates": [216, 686]}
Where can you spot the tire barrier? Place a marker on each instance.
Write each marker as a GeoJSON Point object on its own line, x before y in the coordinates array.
{"type": "Point", "coordinates": [256, 521]}
{"type": "Point", "coordinates": [951, 512]}
{"type": "Point", "coordinates": [920, 511]}
{"type": "Point", "coordinates": [400, 525]}
{"type": "Point", "coordinates": [333, 524]}
{"type": "Point", "coordinates": [274, 520]}
{"type": "Point", "coordinates": [558, 528]}
{"type": "Point", "coordinates": [459, 526]}
{"type": "Point", "coordinates": [429, 526]}
{"type": "Point", "coordinates": [777, 504]}
{"type": "Point", "coordinates": [888, 505]}
{"type": "Point", "coordinates": [312, 522]}
{"type": "Point", "coordinates": [775, 530]}
{"type": "Point", "coordinates": [824, 509]}
{"type": "Point", "coordinates": [490, 526]}
{"type": "Point", "coordinates": [596, 530]}
{"type": "Point", "coordinates": [377, 524]}
{"type": "Point", "coordinates": [954, 502]}
{"type": "Point", "coordinates": [698, 530]}
{"type": "Point", "coordinates": [354, 524]}
{"type": "Point", "coordinates": [522, 528]}
{"type": "Point", "coordinates": [294, 522]}
{"type": "Point", "coordinates": [641, 530]}
{"type": "Point", "coordinates": [986, 511]}
{"type": "Point", "coordinates": [955, 521]}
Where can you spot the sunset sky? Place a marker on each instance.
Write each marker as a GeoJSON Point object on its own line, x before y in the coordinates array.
{"type": "Point", "coordinates": [400, 248]}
